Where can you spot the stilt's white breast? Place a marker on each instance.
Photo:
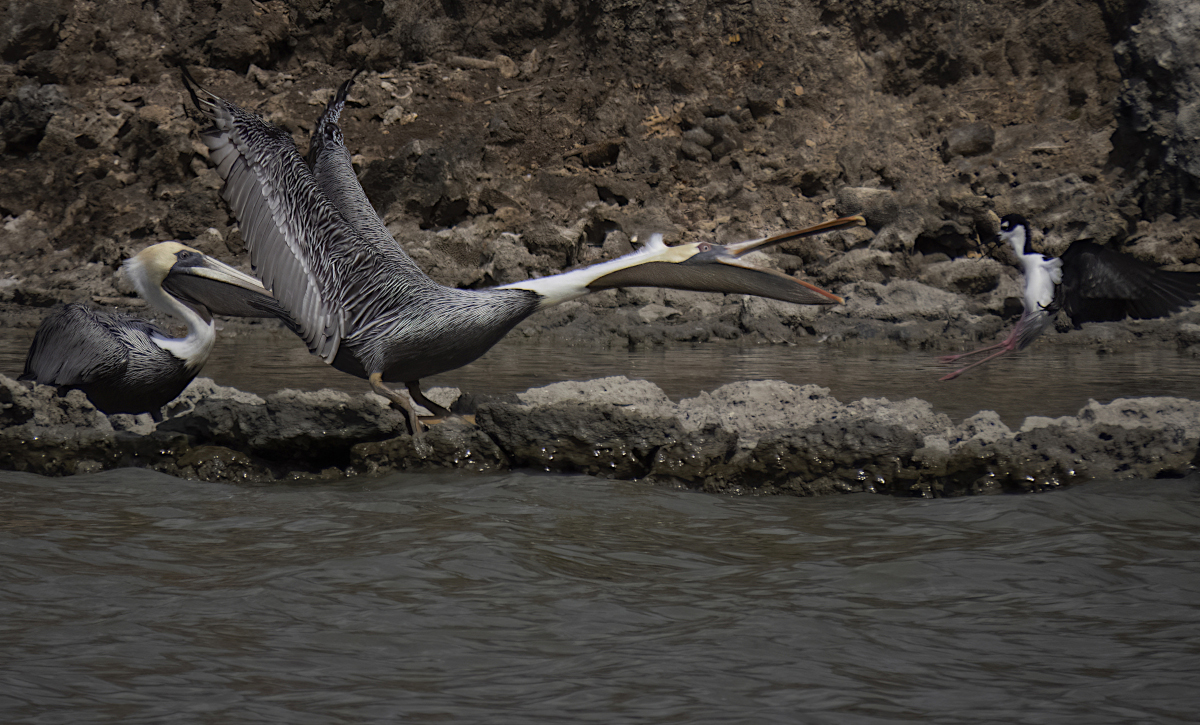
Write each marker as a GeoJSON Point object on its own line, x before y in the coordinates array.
{"type": "Point", "coordinates": [1042, 275]}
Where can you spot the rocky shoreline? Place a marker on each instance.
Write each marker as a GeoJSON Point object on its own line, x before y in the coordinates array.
{"type": "Point", "coordinates": [748, 437]}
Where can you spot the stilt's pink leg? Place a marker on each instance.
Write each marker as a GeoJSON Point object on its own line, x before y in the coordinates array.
{"type": "Point", "coordinates": [976, 364]}
{"type": "Point", "coordinates": [1008, 344]}
{"type": "Point", "coordinates": [961, 355]}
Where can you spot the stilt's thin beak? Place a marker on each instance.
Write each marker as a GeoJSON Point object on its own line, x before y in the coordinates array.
{"type": "Point", "coordinates": [213, 287]}
{"type": "Point", "coordinates": [707, 267]}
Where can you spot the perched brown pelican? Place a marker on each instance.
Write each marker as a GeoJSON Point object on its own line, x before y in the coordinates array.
{"type": "Point", "coordinates": [1088, 283]}
{"type": "Point", "coordinates": [125, 364]}
{"type": "Point", "coordinates": [362, 304]}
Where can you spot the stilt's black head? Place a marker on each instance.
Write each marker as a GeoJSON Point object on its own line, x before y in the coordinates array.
{"type": "Point", "coordinates": [1015, 228]}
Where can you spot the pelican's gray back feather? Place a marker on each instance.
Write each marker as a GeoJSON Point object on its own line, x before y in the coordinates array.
{"type": "Point", "coordinates": [110, 356]}
{"type": "Point", "coordinates": [77, 345]}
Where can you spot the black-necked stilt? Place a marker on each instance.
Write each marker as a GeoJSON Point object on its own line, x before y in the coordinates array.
{"type": "Point", "coordinates": [1089, 283]}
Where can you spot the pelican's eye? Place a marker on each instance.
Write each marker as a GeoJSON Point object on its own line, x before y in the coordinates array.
{"type": "Point", "coordinates": [184, 255]}
{"type": "Point", "coordinates": [703, 246]}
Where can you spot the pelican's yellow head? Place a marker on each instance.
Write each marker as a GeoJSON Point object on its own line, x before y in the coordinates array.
{"type": "Point", "coordinates": [149, 267]}
{"type": "Point", "coordinates": [176, 278]}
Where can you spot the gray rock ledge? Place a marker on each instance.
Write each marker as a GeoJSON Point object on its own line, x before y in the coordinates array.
{"type": "Point", "coordinates": [746, 437]}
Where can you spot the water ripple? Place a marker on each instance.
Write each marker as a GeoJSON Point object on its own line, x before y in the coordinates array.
{"type": "Point", "coordinates": [135, 597]}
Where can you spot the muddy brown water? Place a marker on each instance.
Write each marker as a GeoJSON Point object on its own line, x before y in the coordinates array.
{"type": "Point", "coordinates": [1045, 380]}
{"type": "Point", "coordinates": [134, 597]}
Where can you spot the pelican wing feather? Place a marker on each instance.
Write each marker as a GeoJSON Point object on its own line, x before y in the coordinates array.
{"type": "Point", "coordinates": [334, 172]}
{"type": "Point", "coordinates": [301, 247]}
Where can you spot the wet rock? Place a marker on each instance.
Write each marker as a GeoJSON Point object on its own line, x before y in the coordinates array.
{"type": "Point", "coordinates": [1134, 438]}
{"type": "Point", "coordinates": [315, 429]}
{"type": "Point", "coordinates": [1189, 334]}
{"type": "Point", "coordinates": [751, 409]}
{"type": "Point", "coordinates": [864, 446]}
{"type": "Point", "coordinates": [692, 458]}
{"type": "Point", "coordinates": [562, 428]}
{"type": "Point", "coordinates": [41, 406]}
{"type": "Point", "coordinates": [218, 463]}
{"type": "Point", "coordinates": [453, 443]}
{"type": "Point", "coordinates": [640, 396]}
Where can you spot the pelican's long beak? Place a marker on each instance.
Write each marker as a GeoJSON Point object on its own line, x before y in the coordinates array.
{"type": "Point", "coordinates": [707, 267]}
{"type": "Point", "coordinates": [212, 287]}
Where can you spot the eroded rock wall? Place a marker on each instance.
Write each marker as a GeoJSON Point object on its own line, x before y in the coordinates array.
{"type": "Point", "coordinates": [503, 140]}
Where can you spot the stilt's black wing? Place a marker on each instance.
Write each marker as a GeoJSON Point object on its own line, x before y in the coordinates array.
{"type": "Point", "coordinates": [1102, 285]}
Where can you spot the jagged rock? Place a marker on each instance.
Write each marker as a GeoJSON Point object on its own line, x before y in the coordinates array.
{"type": "Point", "coordinates": [763, 436]}
{"type": "Point", "coordinates": [972, 139]}
{"type": "Point", "coordinates": [316, 428]}
{"type": "Point", "coordinates": [861, 265]}
{"type": "Point", "coordinates": [899, 301]}
{"type": "Point", "coordinates": [562, 428]}
{"type": "Point", "coordinates": [974, 277]}
{"type": "Point", "coordinates": [879, 206]}
{"type": "Point", "coordinates": [1158, 130]}
{"type": "Point", "coordinates": [453, 443]}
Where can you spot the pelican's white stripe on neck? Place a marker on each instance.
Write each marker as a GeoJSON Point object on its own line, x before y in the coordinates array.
{"type": "Point", "coordinates": [560, 288]}
{"type": "Point", "coordinates": [147, 270]}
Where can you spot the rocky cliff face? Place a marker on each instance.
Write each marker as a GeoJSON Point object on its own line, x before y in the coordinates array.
{"type": "Point", "coordinates": [506, 139]}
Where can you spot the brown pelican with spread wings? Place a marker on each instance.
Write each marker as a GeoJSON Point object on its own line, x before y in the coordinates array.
{"type": "Point", "coordinates": [363, 305]}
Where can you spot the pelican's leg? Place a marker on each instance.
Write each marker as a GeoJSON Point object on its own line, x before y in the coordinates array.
{"type": "Point", "coordinates": [414, 389]}
{"type": "Point", "coordinates": [399, 401]}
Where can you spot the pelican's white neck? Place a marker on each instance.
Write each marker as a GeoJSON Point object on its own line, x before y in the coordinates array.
{"type": "Point", "coordinates": [194, 348]}
{"type": "Point", "coordinates": [559, 288]}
